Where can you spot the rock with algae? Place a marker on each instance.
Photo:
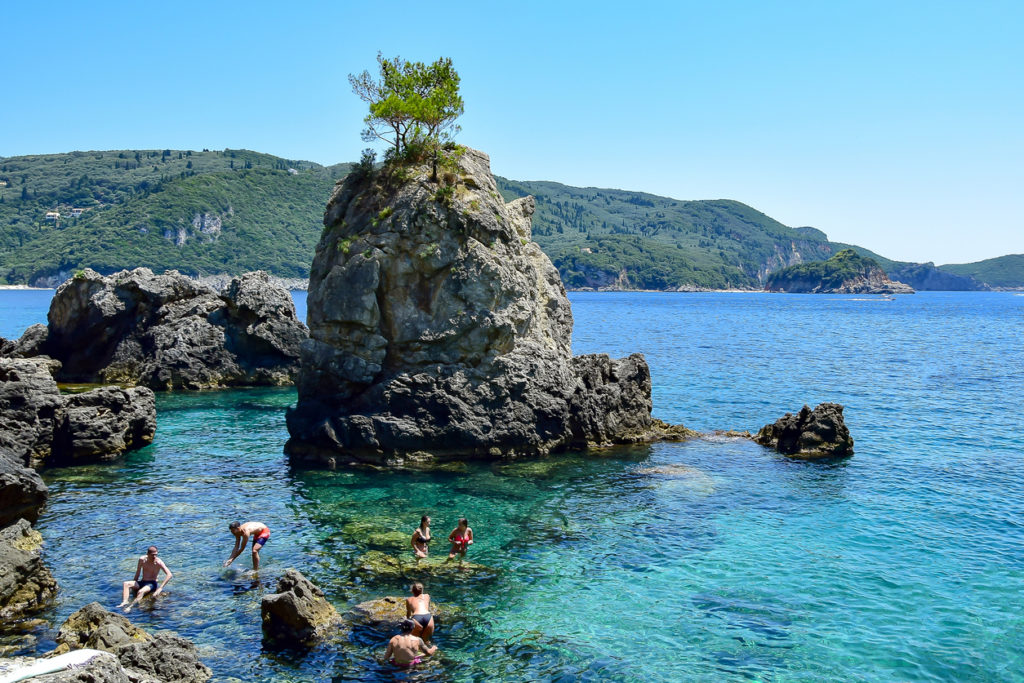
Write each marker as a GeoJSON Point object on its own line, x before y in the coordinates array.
{"type": "Point", "coordinates": [298, 613]}
{"type": "Point", "coordinates": [439, 329]}
{"type": "Point", "coordinates": [388, 612]}
{"type": "Point", "coordinates": [382, 565]}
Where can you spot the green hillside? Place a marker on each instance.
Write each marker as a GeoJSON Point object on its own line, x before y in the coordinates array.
{"type": "Point", "coordinates": [1006, 272]}
{"type": "Point", "coordinates": [210, 212]}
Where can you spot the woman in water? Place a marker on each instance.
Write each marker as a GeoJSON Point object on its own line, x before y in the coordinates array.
{"type": "Point", "coordinates": [421, 537]}
{"type": "Point", "coordinates": [417, 608]}
{"type": "Point", "coordinates": [461, 538]}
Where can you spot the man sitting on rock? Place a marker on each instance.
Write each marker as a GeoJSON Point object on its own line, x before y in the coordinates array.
{"type": "Point", "coordinates": [149, 567]}
{"type": "Point", "coordinates": [406, 650]}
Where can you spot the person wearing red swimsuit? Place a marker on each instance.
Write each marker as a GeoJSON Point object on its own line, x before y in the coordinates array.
{"type": "Point", "coordinates": [461, 538]}
{"type": "Point", "coordinates": [260, 533]}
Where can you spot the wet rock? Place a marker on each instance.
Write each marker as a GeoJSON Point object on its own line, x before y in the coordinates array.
{"type": "Point", "coordinates": [440, 330]}
{"type": "Point", "coordinates": [388, 612]}
{"type": "Point", "coordinates": [381, 565]}
{"type": "Point", "coordinates": [810, 434]}
{"type": "Point", "coordinates": [298, 614]}
{"type": "Point", "coordinates": [169, 332]}
{"type": "Point", "coordinates": [26, 585]}
{"type": "Point", "coordinates": [161, 656]}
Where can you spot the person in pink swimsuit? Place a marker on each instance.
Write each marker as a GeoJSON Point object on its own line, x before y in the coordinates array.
{"type": "Point", "coordinates": [461, 538]}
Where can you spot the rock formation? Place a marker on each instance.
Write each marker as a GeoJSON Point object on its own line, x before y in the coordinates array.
{"type": "Point", "coordinates": [847, 272]}
{"type": "Point", "coordinates": [439, 329]}
{"type": "Point", "coordinates": [298, 614]}
{"type": "Point", "coordinates": [810, 434]}
{"type": "Point", "coordinates": [169, 332]}
{"type": "Point", "coordinates": [388, 612]}
{"type": "Point", "coordinates": [41, 426]}
{"type": "Point", "coordinates": [26, 585]}
{"type": "Point", "coordinates": [161, 656]}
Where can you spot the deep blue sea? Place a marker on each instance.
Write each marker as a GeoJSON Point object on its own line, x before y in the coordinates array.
{"type": "Point", "coordinates": [711, 560]}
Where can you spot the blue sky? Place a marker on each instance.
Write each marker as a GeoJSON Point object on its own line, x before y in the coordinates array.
{"type": "Point", "coordinates": [895, 126]}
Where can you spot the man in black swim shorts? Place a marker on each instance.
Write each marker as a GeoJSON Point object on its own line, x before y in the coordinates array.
{"type": "Point", "coordinates": [149, 567]}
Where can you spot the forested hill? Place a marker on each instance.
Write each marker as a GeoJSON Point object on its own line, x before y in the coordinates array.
{"type": "Point", "coordinates": [230, 211]}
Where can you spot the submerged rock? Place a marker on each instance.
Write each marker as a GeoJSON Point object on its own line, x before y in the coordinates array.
{"type": "Point", "coordinates": [298, 614]}
{"type": "Point", "coordinates": [26, 585]}
{"type": "Point", "coordinates": [439, 329]}
{"type": "Point", "coordinates": [388, 612]}
{"type": "Point", "coordinates": [818, 433]}
{"type": "Point", "coordinates": [161, 656]}
{"type": "Point", "coordinates": [381, 565]}
{"type": "Point", "coordinates": [169, 332]}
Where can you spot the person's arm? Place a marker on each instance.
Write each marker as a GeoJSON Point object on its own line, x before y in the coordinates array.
{"type": "Point", "coordinates": [451, 536]}
{"type": "Point", "coordinates": [138, 570]}
{"type": "Point", "coordinates": [428, 650]}
{"type": "Point", "coordinates": [240, 543]}
{"type": "Point", "coordinates": [167, 576]}
{"type": "Point", "coordinates": [408, 608]}
{"type": "Point", "coordinates": [391, 649]}
{"type": "Point", "coordinates": [469, 536]}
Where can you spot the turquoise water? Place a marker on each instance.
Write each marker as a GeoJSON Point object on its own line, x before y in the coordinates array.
{"type": "Point", "coordinates": [708, 560]}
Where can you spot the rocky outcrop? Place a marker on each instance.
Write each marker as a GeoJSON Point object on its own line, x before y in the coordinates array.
{"type": "Point", "coordinates": [440, 330]}
{"type": "Point", "coordinates": [26, 585]}
{"type": "Point", "coordinates": [30, 343]}
{"type": "Point", "coordinates": [388, 612]}
{"type": "Point", "coordinates": [22, 492]}
{"type": "Point", "coordinates": [41, 426]}
{"type": "Point", "coordinates": [161, 656]}
{"type": "Point", "coordinates": [810, 434]}
{"type": "Point", "coordinates": [298, 613]}
{"type": "Point", "coordinates": [169, 332]}
{"type": "Point", "coordinates": [847, 272]}
{"type": "Point", "coordinates": [926, 277]}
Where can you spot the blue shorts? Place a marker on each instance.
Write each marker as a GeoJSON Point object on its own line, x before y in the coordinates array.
{"type": "Point", "coordinates": [260, 542]}
{"type": "Point", "coordinates": [139, 585]}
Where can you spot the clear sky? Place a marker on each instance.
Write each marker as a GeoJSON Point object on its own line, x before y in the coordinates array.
{"type": "Point", "coordinates": [897, 126]}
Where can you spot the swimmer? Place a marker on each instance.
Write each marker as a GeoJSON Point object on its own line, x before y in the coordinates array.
{"type": "Point", "coordinates": [406, 650]}
{"type": "Point", "coordinates": [461, 538]}
{"type": "Point", "coordinates": [417, 608]}
{"type": "Point", "coordinates": [242, 532]}
{"type": "Point", "coordinates": [421, 538]}
{"type": "Point", "coordinates": [149, 567]}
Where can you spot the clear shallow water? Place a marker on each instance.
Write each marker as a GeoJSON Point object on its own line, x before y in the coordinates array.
{"type": "Point", "coordinates": [709, 560]}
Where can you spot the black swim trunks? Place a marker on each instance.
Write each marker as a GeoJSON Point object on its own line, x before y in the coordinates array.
{"type": "Point", "coordinates": [139, 585]}
{"type": "Point", "coordinates": [423, 619]}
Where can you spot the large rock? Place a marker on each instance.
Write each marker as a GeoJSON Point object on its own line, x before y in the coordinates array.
{"type": "Point", "coordinates": [298, 614]}
{"type": "Point", "coordinates": [22, 492]}
{"type": "Point", "coordinates": [163, 656]}
{"type": "Point", "coordinates": [94, 666]}
{"type": "Point", "coordinates": [169, 332]}
{"type": "Point", "coordinates": [818, 433]}
{"type": "Point", "coordinates": [440, 329]}
{"type": "Point", "coordinates": [388, 612]}
{"type": "Point", "coordinates": [26, 585]}
{"type": "Point", "coordinates": [41, 426]}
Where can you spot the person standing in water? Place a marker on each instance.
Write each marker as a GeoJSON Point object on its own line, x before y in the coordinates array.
{"type": "Point", "coordinates": [461, 538]}
{"type": "Point", "coordinates": [406, 650]}
{"type": "Point", "coordinates": [421, 538]}
{"type": "Point", "coordinates": [417, 608]}
{"type": "Point", "coordinates": [260, 533]}
{"type": "Point", "coordinates": [149, 567]}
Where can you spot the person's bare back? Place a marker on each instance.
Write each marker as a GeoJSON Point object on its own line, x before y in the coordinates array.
{"type": "Point", "coordinates": [406, 650]}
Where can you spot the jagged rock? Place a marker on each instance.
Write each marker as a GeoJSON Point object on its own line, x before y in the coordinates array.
{"type": "Point", "coordinates": [169, 332]}
{"type": "Point", "coordinates": [30, 344]}
{"type": "Point", "coordinates": [818, 433]}
{"type": "Point", "coordinates": [925, 276]}
{"type": "Point", "coordinates": [26, 585]}
{"type": "Point", "coordinates": [40, 426]}
{"type": "Point", "coordinates": [97, 667]}
{"type": "Point", "coordinates": [104, 423]}
{"type": "Point", "coordinates": [298, 613]}
{"type": "Point", "coordinates": [440, 329]}
{"type": "Point", "coordinates": [22, 492]}
{"type": "Point", "coordinates": [163, 656]}
{"type": "Point", "coordinates": [388, 612]}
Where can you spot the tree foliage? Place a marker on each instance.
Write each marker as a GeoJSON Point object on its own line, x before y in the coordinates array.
{"type": "Point", "coordinates": [413, 106]}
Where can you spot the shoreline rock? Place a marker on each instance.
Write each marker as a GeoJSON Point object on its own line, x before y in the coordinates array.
{"type": "Point", "coordinates": [440, 330]}
{"type": "Point", "coordinates": [810, 434]}
{"type": "Point", "coordinates": [26, 584]}
{"type": "Point", "coordinates": [298, 614]}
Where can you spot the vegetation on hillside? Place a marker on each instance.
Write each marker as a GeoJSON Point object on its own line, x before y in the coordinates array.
{"type": "Point", "coordinates": [1004, 272]}
{"type": "Point", "coordinates": [825, 275]}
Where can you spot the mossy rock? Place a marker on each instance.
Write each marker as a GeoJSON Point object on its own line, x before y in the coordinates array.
{"type": "Point", "coordinates": [388, 612]}
{"type": "Point", "coordinates": [386, 566]}
{"type": "Point", "coordinates": [375, 535]}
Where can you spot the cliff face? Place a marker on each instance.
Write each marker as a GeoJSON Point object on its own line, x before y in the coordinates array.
{"type": "Point", "coordinates": [438, 327]}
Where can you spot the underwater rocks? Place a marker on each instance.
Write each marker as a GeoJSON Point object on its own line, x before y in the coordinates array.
{"type": "Point", "coordinates": [810, 434]}
{"type": "Point", "coordinates": [298, 614]}
{"type": "Point", "coordinates": [383, 566]}
{"type": "Point", "coordinates": [169, 332]}
{"type": "Point", "coordinates": [440, 330]}
{"type": "Point", "coordinates": [41, 426]}
{"type": "Point", "coordinates": [26, 585]}
{"type": "Point", "coordinates": [161, 656]}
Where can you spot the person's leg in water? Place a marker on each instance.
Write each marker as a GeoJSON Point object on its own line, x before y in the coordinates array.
{"type": "Point", "coordinates": [128, 586]}
{"type": "Point", "coordinates": [139, 594]}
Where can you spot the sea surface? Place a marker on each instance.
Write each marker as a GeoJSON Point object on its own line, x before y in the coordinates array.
{"type": "Point", "coordinates": [710, 560]}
